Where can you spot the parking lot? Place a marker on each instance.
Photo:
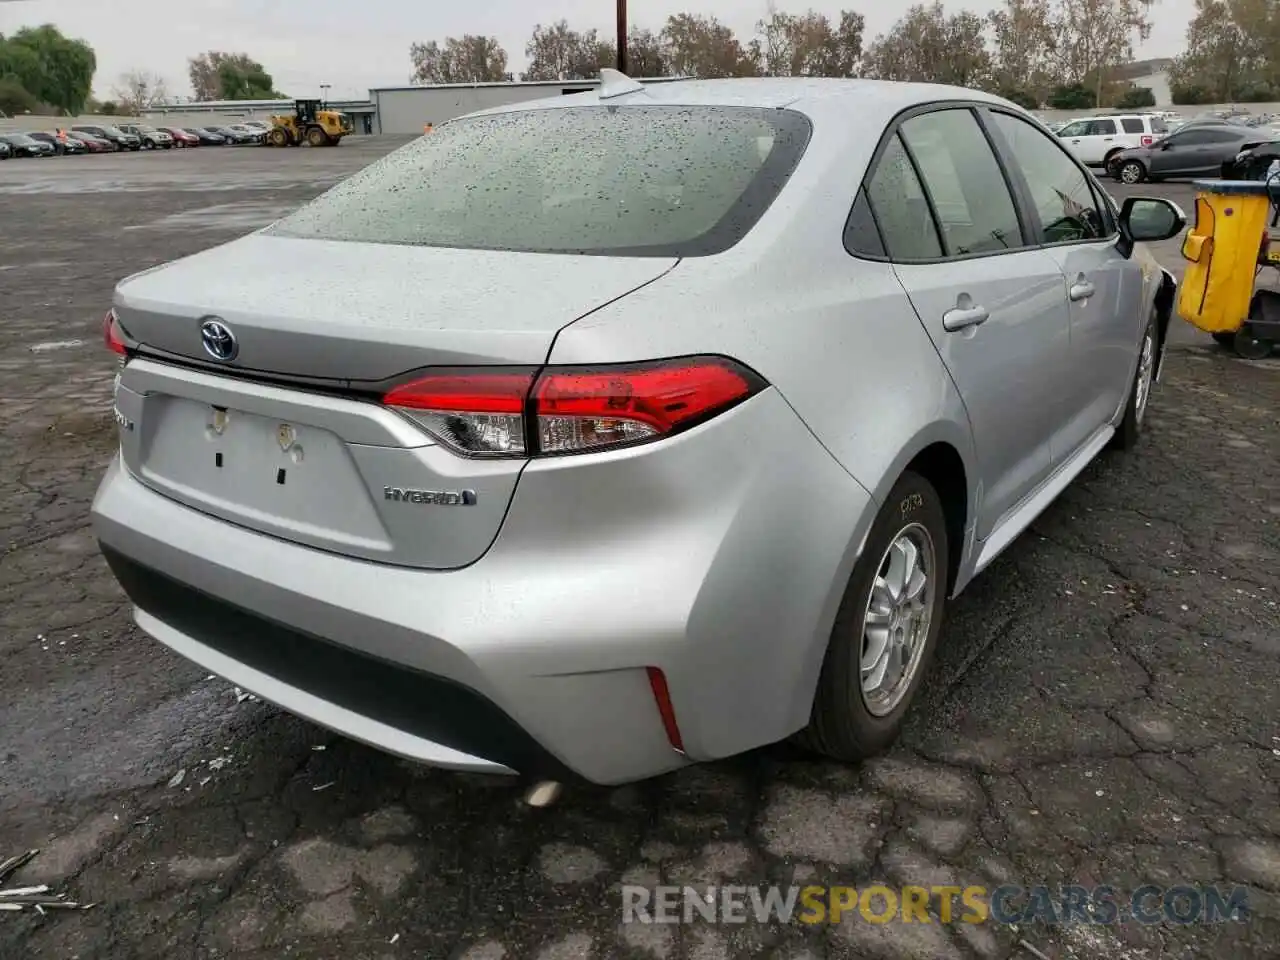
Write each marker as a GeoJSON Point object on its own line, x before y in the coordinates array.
{"type": "Point", "coordinates": [1105, 709]}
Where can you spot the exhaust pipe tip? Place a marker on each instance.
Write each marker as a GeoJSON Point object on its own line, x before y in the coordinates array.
{"type": "Point", "coordinates": [543, 794]}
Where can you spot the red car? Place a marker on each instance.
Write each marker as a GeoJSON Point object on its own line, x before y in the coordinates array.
{"type": "Point", "coordinates": [181, 138]}
{"type": "Point", "coordinates": [95, 145]}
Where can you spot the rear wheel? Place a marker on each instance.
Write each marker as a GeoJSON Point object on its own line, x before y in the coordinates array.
{"type": "Point", "coordinates": [1250, 347]}
{"type": "Point", "coordinates": [278, 137]}
{"type": "Point", "coordinates": [317, 137]}
{"type": "Point", "coordinates": [886, 630]}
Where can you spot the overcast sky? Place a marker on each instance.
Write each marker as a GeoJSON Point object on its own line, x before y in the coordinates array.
{"type": "Point", "coordinates": [357, 44]}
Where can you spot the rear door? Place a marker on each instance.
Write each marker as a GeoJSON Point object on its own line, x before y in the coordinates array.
{"type": "Point", "coordinates": [994, 308]}
{"type": "Point", "coordinates": [1183, 154]}
{"type": "Point", "coordinates": [1105, 289]}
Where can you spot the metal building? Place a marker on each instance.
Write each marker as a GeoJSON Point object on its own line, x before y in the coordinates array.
{"type": "Point", "coordinates": [406, 110]}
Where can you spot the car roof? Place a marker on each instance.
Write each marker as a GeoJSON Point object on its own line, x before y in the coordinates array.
{"type": "Point", "coordinates": [810, 95]}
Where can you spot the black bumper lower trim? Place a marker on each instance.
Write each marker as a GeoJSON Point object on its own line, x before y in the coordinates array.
{"type": "Point", "coordinates": [421, 704]}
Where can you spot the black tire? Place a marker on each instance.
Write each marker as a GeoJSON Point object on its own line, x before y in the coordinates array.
{"type": "Point", "coordinates": [1225, 339]}
{"type": "Point", "coordinates": [1131, 172]}
{"type": "Point", "coordinates": [1248, 347]}
{"type": "Point", "coordinates": [1126, 435]}
{"type": "Point", "coordinates": [1106, 161]}
{"type": "Point", "coordinates": [842, 725]}
{"type": "Point", "coordinates": [316, 137]}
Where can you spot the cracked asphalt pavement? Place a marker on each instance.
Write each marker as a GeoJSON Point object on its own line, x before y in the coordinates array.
{"type": "Point", "coordinates": [1105, 707]}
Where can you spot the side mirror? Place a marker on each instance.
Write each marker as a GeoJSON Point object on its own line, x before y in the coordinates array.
{"type": "Point", "coordinates": [1151, 219]}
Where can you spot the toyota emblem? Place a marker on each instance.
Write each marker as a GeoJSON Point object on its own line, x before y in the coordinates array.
{"type": "Point", "coordinates": [219, 342]}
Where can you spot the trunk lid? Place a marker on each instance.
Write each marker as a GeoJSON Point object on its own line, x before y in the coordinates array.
{"type": "Point", "coordinates": [333, 472]}
{"type": "Point", "coordinates": [352, 312]}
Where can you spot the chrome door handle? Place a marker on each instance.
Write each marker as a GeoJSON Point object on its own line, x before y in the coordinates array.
{"type": "Point", "coordinates": [1081, 290]}
{"type": "Point", "coordinates": [961, 318]}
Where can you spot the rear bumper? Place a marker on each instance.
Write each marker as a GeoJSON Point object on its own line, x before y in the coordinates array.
{"type": "Point", "coordinates": [718, 556]}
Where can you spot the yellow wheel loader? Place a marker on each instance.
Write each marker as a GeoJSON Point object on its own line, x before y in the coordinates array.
{"type": "Point", "coordinates": [312, 123]}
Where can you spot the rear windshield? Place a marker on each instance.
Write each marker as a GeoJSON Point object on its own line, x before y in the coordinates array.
{"type": "Point", "coordinates": [623, 181]}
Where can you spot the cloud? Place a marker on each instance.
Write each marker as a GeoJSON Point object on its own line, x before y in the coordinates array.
{"type": "Point", "coordinates": [357, 44]}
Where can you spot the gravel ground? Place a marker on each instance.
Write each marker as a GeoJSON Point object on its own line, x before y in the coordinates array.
{"type": "Point", "coordinates": [1106, 708]}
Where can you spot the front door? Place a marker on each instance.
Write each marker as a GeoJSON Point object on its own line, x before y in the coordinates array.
{"type": "Point", "coordinates": [1104, 288]}
{"type": "Point", "coordinates": [994, 308]}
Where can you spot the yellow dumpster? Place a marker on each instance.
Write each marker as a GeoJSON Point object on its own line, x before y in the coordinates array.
{"type": "Point", "coordinates": [1223, 250]}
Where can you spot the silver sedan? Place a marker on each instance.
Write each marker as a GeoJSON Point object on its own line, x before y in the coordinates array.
{"type": "Point", "coordinates": [607, 434]}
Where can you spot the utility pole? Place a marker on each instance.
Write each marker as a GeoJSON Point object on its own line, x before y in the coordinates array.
{"type": "Point", "coordinates": [622, 36]}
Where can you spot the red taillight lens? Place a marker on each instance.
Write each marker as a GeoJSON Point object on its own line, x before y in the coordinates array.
{"type": "Point", "coordinates": [475, 412]}
{"type": "Point", "coordinates": [1148, 141]}
{"type": "Point", "coordinates": [483, 412]}
{"type": "Point", "coordinates": [112, 335]}
{"type": "Point", "coordinates": [587, 409]}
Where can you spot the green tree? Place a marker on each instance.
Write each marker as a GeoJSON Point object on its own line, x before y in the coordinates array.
{"type": "Point", "coordinates": [230, 76]}
{"type": "Point", "coordinates": [15, 98]}
{"type": "Point", "coordinates": [1073, 96]}
{"type": "Point", "coordinates": [51, 67]}
{"type": "Point", "coordinates": [1136, 98]}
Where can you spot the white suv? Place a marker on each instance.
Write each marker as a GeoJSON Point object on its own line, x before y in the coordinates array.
{"type": "Point", "coordinates": [1095, 140]}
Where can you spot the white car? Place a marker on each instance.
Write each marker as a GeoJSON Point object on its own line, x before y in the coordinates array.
{"type": "Point", "coordinates": [1095, 140]}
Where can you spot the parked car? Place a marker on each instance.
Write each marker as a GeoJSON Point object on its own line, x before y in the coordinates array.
{"type": "Point", "coordinates": [181, 138]}
{"type": "Point", "coordinates": [234, 137]}
{"type": "Point", "coordinates": [122, 140]}
{"type": "Point", "coordinates": [6, 151]}
{"type": "Point", "coordinates": [207, 137]}
{"type": "Point", "coordinates": [96, 144]}
{"type": "Point", "coordinates": [1193, 151]}
{"type": "Point", "coordinates": [25, 146]}
{"type": "Point", "coordinates": [254, 134]}
{"type": "Point", "coordinates": [61, 146]}
{"type": "Point", "coordinates": [1095, 140]}
{"type": "Point", "coordinates": [151, 137]}
{"type": "Point", "coordinates": [1252, 163]}
{"type": "Point", "coordinates": [600, 468]}
{"type": "Point", "coordinates": [261, 125]}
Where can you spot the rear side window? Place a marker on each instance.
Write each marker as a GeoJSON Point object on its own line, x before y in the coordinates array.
{"type": "Point", "coordinates": [975, 210]}
{"type": "Point", "coordinates": [901, 208]}
{"type": "Point", "coordinates": [1158, 125]}
{"type": "Point", "coordinates": [1133, 125]}
{"type": "Point", "coordinates": [624, 181]}
{"type": "Point", "coordinates": [1103, 128]}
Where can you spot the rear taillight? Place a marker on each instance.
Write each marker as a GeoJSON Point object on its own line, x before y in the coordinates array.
{"type": "Point", "coordinates": [561, 410]}
{"type": "Point", "coordinates": [113, 334]}
{"type": "Point", "coordinates": [1148, 141]}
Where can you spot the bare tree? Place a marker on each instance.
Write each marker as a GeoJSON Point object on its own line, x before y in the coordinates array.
{"type": "Point", "coordinates": [1233, 51]}
{"type": "Point", "coordinates": [928, 45]}
{"type": "Point", "coordinates": [466, 59]}
{"type": "Point", "coordinates": [1023, 36]}
{"type": "Point", "coordinates": [647, 54]}
{"type": "Point", "coordinates": [807, 45]}
{"type": "Point", "coordinates": [700, 46]}
{"type": "Point", "coordinates": [138, 90]}
{"type": "Point", "coordinates": [559, 53]}
{"type": "Point", "coordinates": [1093, 37]}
